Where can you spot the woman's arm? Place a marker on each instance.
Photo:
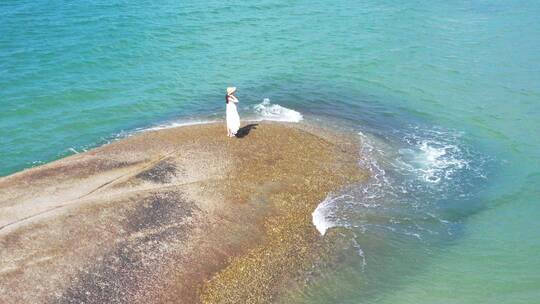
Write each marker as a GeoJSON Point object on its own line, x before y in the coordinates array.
{"type": "Point", "coordinates": [233, 98]}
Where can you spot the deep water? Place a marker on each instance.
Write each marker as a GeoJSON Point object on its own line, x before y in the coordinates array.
{"type": "Point", "coordinates": [444, 95]}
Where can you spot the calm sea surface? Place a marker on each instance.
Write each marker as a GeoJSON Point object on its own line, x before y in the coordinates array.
{"type": "Point", "coordinates": [444, 95]}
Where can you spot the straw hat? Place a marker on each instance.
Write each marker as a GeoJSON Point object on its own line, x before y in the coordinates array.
{"type": "Point", "coordinates": [231, 90]}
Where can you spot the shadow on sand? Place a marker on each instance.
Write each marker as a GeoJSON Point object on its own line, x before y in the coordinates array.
{"type": "Point", "coordinates": [244, 131]}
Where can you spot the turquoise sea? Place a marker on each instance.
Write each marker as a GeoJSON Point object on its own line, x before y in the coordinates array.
{"type": "Point", "coordinates": [444, 95]}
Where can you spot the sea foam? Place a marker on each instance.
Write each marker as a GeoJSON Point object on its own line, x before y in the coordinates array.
{"type": "Point", "coordinates": [175, 124]}
{"type": "Point", "coordinates": [321, 218]}
{"type": "Point", "coordinates": [267, 111]}
{"type": "Point", "coordinates": [408, 178]}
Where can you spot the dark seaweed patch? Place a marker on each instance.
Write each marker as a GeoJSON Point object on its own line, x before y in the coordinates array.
{"type": "Point", "coordinates": [159, 221]}
{"type": "Point", "coordinates": [161, 209]}
{"type": "Point", "coordinates": [163, 172]}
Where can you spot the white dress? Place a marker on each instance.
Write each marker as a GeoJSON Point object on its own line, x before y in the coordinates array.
{"type": "Point", "coordinates": [233, 119]}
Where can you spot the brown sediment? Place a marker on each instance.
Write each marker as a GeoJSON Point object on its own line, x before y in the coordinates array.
{"type": "Point", "coordinates": [182, 215]}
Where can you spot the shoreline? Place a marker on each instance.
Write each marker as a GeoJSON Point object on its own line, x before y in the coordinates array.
{"type": "Point", "coordinates": [174, 214]}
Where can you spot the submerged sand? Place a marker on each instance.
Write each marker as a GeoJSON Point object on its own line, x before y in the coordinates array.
{"type": "Point", "coordinates": [183, 215]}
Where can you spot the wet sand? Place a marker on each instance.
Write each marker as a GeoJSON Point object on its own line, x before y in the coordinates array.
{"type": "Point", "coordinates": [183, 215]}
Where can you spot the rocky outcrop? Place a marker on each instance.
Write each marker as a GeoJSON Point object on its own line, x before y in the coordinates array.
{"type": "Point", "coordinates": [181, 215]}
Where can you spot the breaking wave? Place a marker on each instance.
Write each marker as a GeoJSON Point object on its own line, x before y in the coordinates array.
{"type": "Point", "coordinates": [267, 111]}
{"type": "Point", "coordinates": [416, 176]}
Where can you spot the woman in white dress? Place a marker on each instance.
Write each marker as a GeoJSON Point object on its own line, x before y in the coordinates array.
{"type": "Point", "coordinates": [233, 119]}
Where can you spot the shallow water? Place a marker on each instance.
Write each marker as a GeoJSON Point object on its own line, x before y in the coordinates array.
{"type": "Point", "coordinates": [444, 95]}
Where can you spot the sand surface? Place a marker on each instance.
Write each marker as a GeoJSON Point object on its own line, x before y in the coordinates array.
{"type": "Point", "coordinates": [183, 215]}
